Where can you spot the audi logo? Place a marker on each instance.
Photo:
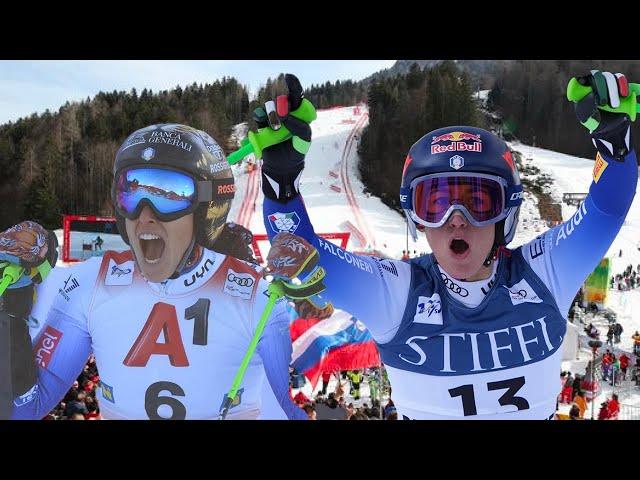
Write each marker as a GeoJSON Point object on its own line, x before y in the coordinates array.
{"type": "Point", "coordinates": [241, 281]}
{"type": "Point", "coordinates": [454, 287]}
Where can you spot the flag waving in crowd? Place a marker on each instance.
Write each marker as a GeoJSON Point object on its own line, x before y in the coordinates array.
{"type": "Point", "coordinates": [329, 340]}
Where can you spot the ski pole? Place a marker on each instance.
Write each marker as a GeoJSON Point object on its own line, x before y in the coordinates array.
{"type": "Point", "coordinates": [275, 292]}
{"type": "Point", "coordinates": [266, 137]}
{"type": "Point", "coordinates": [10, 275]}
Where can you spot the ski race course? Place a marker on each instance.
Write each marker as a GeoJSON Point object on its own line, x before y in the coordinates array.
{"type": "Point", "coordinates": [334, 197]}
{"type": "Point", "coordinates": [332, 190]}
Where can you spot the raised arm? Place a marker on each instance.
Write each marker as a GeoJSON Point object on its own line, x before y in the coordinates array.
{"type": "Point", "coordinates": [63, 345]}
{"type": "Point", "coordinates": [373, 290]}
{"type": "Point", "coordinates": [565, 255]}
{"type": "Point", "coordinates": [61, 352]}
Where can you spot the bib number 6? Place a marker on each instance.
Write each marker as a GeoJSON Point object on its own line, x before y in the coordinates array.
{"type": "Point", "coordinates": [153, 400]}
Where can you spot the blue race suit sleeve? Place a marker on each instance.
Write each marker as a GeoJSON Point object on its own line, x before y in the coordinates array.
{"type": "Point", "coordinates": [275, 350]}
{"type": "Point", "coordinates": [352, 278]}
{"type": "Point", "coordinates": [65, 360]}
{"type": "Point", "coordinates": [564, 256]}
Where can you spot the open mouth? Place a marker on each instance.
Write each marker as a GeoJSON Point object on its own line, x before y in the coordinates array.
{"type": "Point", "coordinates": [152, 247]}
{"type": "Point", "coordinates": [459, 246]}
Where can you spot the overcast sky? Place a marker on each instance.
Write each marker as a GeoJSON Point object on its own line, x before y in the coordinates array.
{"type": "Point", "coordinates": [28, 86]}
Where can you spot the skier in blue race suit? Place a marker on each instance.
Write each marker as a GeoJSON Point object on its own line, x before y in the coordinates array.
{"type": "Point", "coordinates": [473, 330]}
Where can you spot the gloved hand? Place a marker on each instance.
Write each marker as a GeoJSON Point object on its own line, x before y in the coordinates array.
{"type": "Point", "coordinates": [293, 257]}
{"type": "Point", "coordinates": [609, 128]}
{"type": "Point", "coordinates": [283, 163]}
{"type": "Point", "coordinates": [30, 246]}
{"type": "Point", "coordinates": [307, 308]}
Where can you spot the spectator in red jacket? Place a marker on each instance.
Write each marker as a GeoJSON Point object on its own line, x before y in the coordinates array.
{"type": "Point", "coordinates": [607, 360]}
{"type": "Point", "coordinates": [603, 414]}
{"type": "Point", "coordinates": [613, 407]}
{"type": "Point", "coordinates": [567, 391]}
{"type": "Point", "coordinates": [301, 398]}
{"type": "Point", "coordinates": [624, 364]}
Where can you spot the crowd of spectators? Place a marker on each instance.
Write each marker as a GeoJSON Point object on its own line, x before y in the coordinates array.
{"type": "Point", "coordinates": [342, 402]}
{"type": "Point", "coordinates": [80, 402]}
{"type": "Point", "coordinates": [627, 280]}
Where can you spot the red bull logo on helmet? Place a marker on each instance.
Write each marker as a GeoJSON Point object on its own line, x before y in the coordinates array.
{"type": "Point", "coordinates": [459, 142]}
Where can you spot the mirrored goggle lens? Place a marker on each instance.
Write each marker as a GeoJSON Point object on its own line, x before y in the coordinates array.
{"type": "Point", "coordinates": [168, 191]}
{"type": "Point", "coordinates": [482, 197]}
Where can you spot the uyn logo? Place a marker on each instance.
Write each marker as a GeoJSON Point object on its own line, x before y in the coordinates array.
{"type": "Point", "coordinates": [200, 274]}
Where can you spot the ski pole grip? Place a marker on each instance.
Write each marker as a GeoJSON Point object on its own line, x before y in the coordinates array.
{"type": "Point", "coordinates": [306, 111]}
{"type": "Point", "coordinates": [267, 137]}
{"type": "Point", "coordinates": [577, 91]}
{"type": "Point", "coordinates": [11, 274]}
{"type": "Point", "coordinates": [239, 154]}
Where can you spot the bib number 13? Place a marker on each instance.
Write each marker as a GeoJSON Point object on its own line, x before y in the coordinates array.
{"type": "Point", "coordinates": [511, 385]}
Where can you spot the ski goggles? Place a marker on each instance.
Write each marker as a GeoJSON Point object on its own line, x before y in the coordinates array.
{"type": "Point", "coordinates": [170, 194]}
{"type": "Point", "coordinates": [482, 198]}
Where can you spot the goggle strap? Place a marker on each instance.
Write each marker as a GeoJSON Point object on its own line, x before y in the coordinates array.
{"type": "Point", "coordinates": [514, 196]}
{"type": "Point", "coordinates": [223, 189]}
{"type": "Point", "coordinates": [205, 191]}
{"type": "Point", "coordinates": [405, 198]}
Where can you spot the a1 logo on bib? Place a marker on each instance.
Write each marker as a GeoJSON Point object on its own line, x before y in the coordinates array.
{"type": "Point", "coordinates": [429, 310]}
{"type": "Point", "coordinates": [522, 292]}
{"type": "Point", "coordinates": [119, 274]}
{"type": "Point", "coordinates": [239, 284]}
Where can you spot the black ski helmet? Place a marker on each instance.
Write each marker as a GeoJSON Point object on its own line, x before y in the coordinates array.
{"type": "Point", "coordinates": [468, 150]}
{"type": "Point", "coordinates": [192, 151]}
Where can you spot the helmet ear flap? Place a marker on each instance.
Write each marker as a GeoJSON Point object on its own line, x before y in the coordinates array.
{"type": "Point", "coordinates": [199, 217]}
{"type": "Point", "coordinates": [509, 225]}
{"type": "Point", "coordinates": [209, 220]}
{"type": "Point", "coordinates": [506, 229]}
{"type": "Point", "coordinates": [122, 228]}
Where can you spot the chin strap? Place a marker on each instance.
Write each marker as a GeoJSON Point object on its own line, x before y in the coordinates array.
{"type": "Point", "coordinates": [493, 254]}
{"type": "Point", "coordinates": [188, 253]}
